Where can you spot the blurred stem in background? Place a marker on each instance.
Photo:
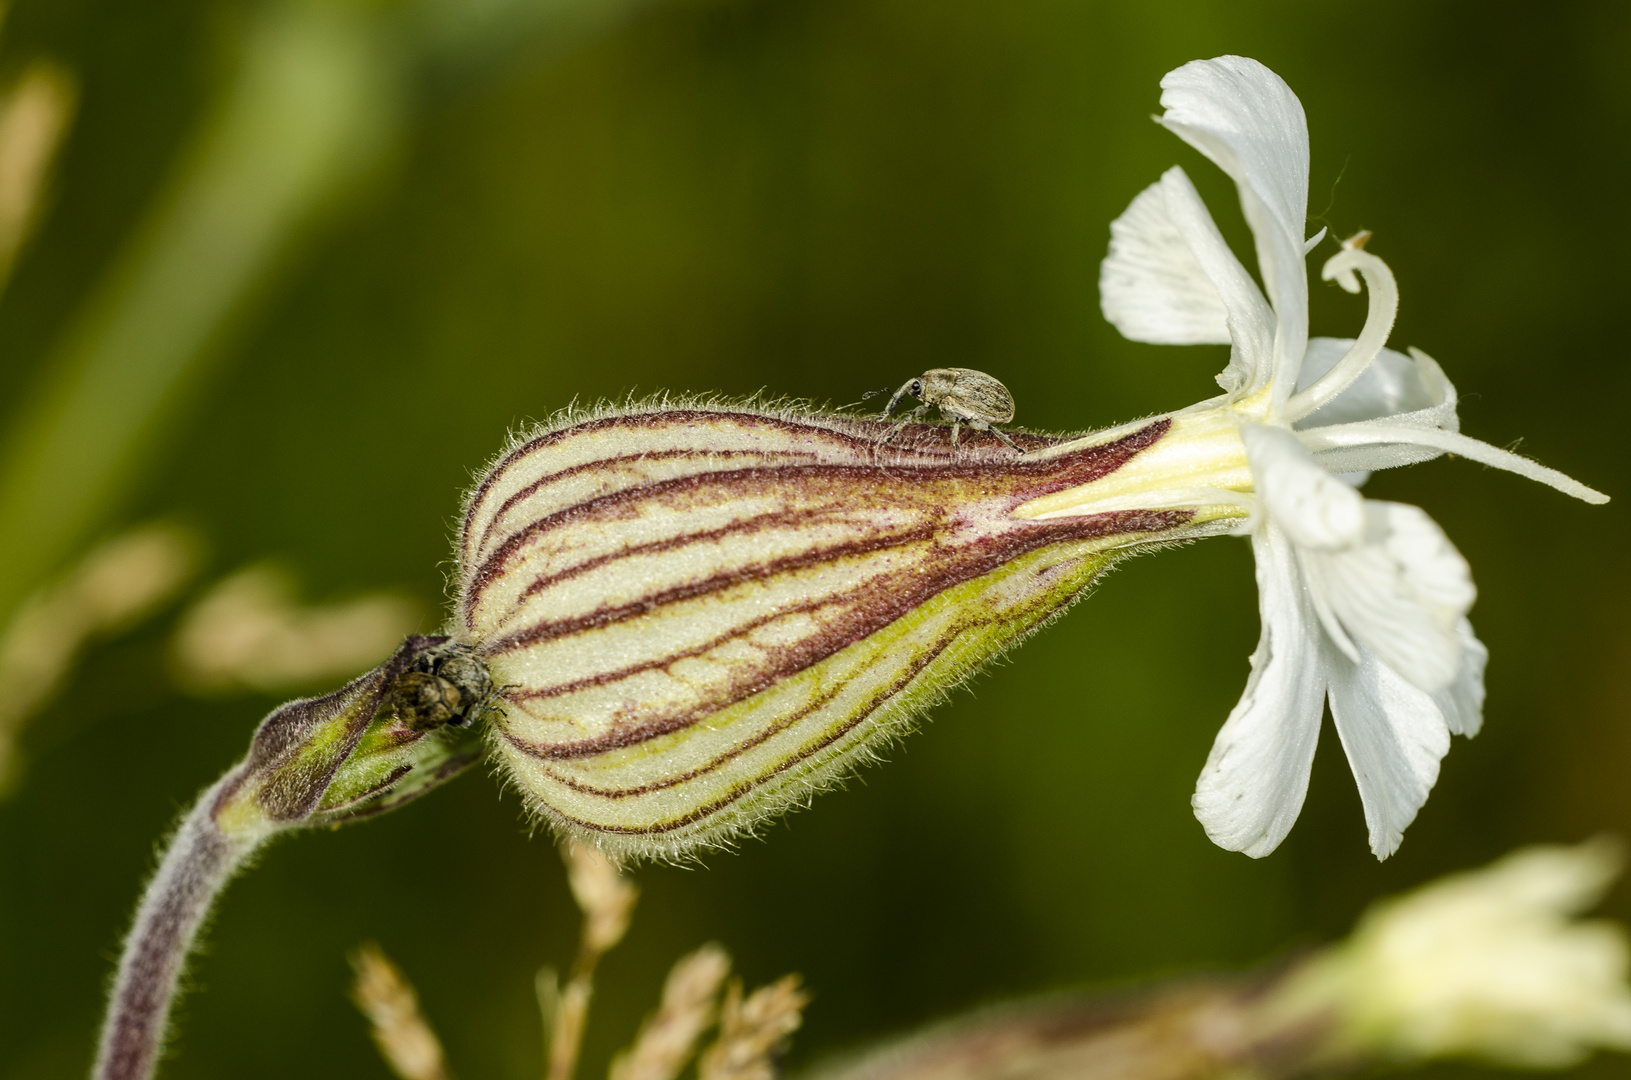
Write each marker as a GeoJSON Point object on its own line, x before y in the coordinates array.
{"type": "Point", "coordinates": [33, 119]}
{"type": "Point", "coordinates": [1491, 964]}
{"type": "Point", "coordinates": [606, 899]}
{"type": "Point", "coordinates": [309, 108]}
{"type": "Point", "coordinates": [249, 631]}
{"type": "Point", "coordinates": [322, 90]}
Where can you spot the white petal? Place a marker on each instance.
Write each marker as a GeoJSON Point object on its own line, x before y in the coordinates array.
{"type": "Point", "coordinates": [1246, 119]}
{"type": "Point", "coordinates": [1462, 702]}
{"type": "Point", "coordinates": [1252, 788]}
{"type": "Point", "coordinates": [1151, 286]}
{"type": "Point", "coordinates": [1379, 574]}
{"type": "Point", "coordinates": [1250, 320]}
{"type": "Point", "coordinates": [1171, 279]}
{"type": "Point", "coordinates": [1316, 509]}
{"type": "Point", "coordinates": [1409, 390]}
{"type": "Point", "coordinates": [1400, 594]}
{"type": "Point", "coordinates": [1394, 385]}
{"type": "Point", "coordinates": [1394, 736]}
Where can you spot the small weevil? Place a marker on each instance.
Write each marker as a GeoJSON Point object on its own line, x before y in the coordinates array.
{"type": "Point", "coordinates": [446, 685]}
{"type": "Point", "coordinates": [964, 395]}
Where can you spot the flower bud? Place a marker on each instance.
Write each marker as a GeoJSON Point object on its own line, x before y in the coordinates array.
{"type": "Point", "coordinates": [385, 738]}
{"type": "Point", "coordinates": [697, 616]}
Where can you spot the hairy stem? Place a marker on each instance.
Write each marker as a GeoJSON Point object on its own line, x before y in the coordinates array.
{"type": "Point", "coordinates": [362, 750]}
{"type": "Point", "coordinates": [200, 860]}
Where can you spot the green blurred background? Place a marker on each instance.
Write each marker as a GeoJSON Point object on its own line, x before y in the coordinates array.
{"type": "Point", "coordinates": [816, 197]}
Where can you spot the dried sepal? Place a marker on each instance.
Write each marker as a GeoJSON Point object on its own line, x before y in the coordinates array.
{"type": "Point", "coordinates": [699, 615]}
{"type": "Point", "coordinates": [363, 749]}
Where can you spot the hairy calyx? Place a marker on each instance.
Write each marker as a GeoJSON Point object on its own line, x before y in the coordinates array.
{"type": "Point", "coordinates": [698, 615]}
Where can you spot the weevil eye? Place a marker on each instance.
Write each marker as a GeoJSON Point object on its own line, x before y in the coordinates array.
{"type": "Point", "coordinates": [917, 387]}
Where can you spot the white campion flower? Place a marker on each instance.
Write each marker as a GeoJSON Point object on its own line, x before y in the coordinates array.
{"type": "Point", "coordinates": [1491, 963]}
{"type": "Point", "coordinates": [1363, 603]}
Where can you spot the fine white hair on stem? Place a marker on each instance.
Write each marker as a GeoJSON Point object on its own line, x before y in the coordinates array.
{"type": "Point", "coordinates": [309, 763]}
{"type": "Point", "coordinates": [197, 864]}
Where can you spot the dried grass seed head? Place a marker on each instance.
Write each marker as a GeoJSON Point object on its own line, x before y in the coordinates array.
{"type": "Point", "coordinates": [603, 894]}
{"type": "Point", "coordinates": [388, 1000]}
{"type": "Point", "coordinates": [669, 1037]}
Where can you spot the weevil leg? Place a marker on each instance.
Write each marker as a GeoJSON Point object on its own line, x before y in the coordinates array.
{"type": "Point", "coordinates": [985, 424]}
{"type": "Point", "coordinates": [956, 426]}
{"type": "Point", "coordinates": [907, 419]}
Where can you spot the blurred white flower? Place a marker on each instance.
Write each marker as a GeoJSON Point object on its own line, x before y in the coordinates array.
{"type": "Point", "coordinates": [1491, 964]}
{"type": "Point", "coordinates": [1362, 603]}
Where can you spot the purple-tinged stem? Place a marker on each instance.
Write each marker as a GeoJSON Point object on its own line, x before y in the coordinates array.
{"type": "Point", "coordinates": [364, 749]}
{"type": "Point", "coordinates": [201, 858]}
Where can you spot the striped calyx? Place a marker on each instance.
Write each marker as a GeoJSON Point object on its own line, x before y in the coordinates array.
{"type": "Point", "coordinates": [697, 616]}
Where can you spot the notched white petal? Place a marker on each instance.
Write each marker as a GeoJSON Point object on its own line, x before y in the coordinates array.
{"type": "Point", "coordinates": [1252, 788]}
{"type": "Point", "coordinates": [1393, 385]}
{"type": "Point", "coordinates": [1395, 736]}
{"type": "Point", "coordinates": [1462, 702]}
{"type": "Point", "coordinates": [1247, 120]}
{"type": "Point", "coordinates": [1380, 575]}
{"type": "Point", "coordinates": [1152, 288]}
{"type": "Point", "coordinates": [1400, 593]}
